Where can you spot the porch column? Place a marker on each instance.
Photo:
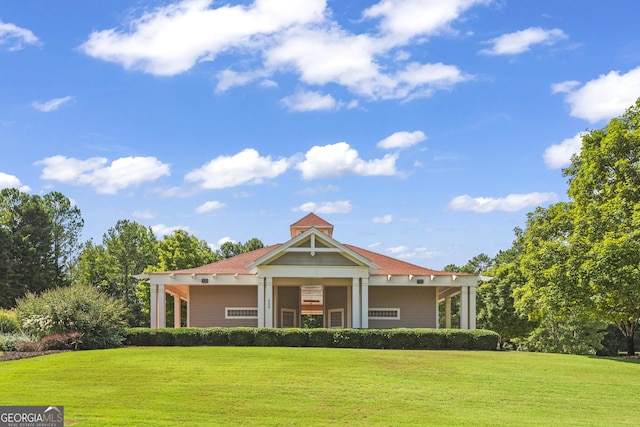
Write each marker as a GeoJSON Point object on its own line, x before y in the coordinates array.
{"type": "Point", "coordinates": [472, 307]}
{"type": "Point", "coordinates": [153, 306]}
{"type": "Point", "coordinates": [177, 311]}
{"type": "Point", "coordinates": [260, 302]}
{"type": "Point", "coordinates": [447, 312]}
{"type": "Point", "coordinates": [355, 302]}
{"type": "Point", "coordinates": [365, 303]}
{"type": "Point", "coordinates": [464, 307]}
{"type": "Point", "coordinates": [268, 297]}
{"type": "Point", "coordinates": [437, 308]}
{"type": "Point", "coordinates": [162, 307]}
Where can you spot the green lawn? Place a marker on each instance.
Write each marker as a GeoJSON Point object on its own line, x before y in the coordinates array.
{"type": "Point", "coordinates": [315, 386]}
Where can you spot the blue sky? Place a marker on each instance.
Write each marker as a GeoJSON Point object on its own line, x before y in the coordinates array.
{"type": "Point", "coordinates": [422, 129]}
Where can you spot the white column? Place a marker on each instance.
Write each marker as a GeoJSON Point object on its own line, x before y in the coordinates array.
{"type": "Point", "coordinates": [162, 307]}
{"type": "Point", "coordinates": [260, 302]}
{"type": "Point", "coordinates": [447, 312]}
{"type": "Point", "coordinates": [365, 303]}
{"type": "Point", "coordinates": [153, 306]}
{"type": "Point", "coordinates": [472, 307]}
{"type": "Point", "coordinates": [437, 307]}
{"type": "Point", "coordinates": [464, 307]}
{"type": "Point", "coordinates": [268, 297]}
{"type": "Point", "coordinates": [355, 302]}
{"type": "Point", "coordinates": [176, 311]}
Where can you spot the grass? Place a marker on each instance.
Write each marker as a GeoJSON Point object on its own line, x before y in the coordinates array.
{"type": "Point", "coordinates": [316, 386]}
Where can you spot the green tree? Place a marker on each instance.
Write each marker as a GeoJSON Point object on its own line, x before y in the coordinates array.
{"type": "Point", "coordinates": [604, 182]}
{"type": "Point", "coordinates": [67, 224]}
{"type": "Point", "coordinates": [496, 309]}
{"type": "Point", "coordinates": [182, 250]}
{"type": "Point", "coordinates": [27, 229]}
{"type": "Point", "coordinates": [550, 295]}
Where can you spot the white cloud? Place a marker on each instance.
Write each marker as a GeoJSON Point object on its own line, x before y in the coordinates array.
{"type": "Point", "coordinates": [420, 253]}
{"type": "Point", "coordinates": [559, 155]}
{"type": "Point", "coordinates": [15, 37]}
{"type": "Point", "coordinates": [209, 206]}
{"type": "Point", "coordinates": [10, 181]}
{"type": "Point", "coordinates": [339, 206]}
{"type": "Point", "coordinates": [374, 245]}
{"type": "Point", "coordinates": [564, 87]}
{"type": "Point", "coordinates": [144, 214]}
{"type": "Point", "coordinates": [122, 173]}
{"type": "Point", "coordinates": [319, 189]}
{"type": "Point", "coordinates": [603, 98]}
{"type": "Point", "coordinates": [165, 230]}
{"type": "Point", "coordinates": [511, 203]}
{"type": "Point", "coordinates": [397, 249]}
{"type": "Point", "coordinates": [220, 242]}
{"type": "Point", "coordinates": [171, 39]}
{"type": "Point", "coordinates": [335, 160]}
{"type": "Point", "coordinates": [246, 167]}
{"type": "Point", "coordinates": [521, 41]}
{"type": "Point", "coordinates": [51, 105]}
{"type": "Point", "coordinates": [402, 139]}
{"type": "Point", "coordinates": [270, 36]}
{"type": "Point", "coordinates": [403, 19]}
{"type": "Point", "coordinates": [310, 101]}
{"type": "Point", "coordinates": [386, 219]}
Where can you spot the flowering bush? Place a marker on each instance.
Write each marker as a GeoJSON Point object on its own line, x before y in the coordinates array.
{"type": "Point", "coordinates": [78, 308]}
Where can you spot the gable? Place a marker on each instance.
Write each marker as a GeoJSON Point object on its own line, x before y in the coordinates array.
{"type": "Point", "coordinates": [313, 248]}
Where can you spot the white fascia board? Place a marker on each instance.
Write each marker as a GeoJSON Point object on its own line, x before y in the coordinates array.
{"type": "Point", "coordinates": [218, 279]}
{"type": "Point", "coordinates": [402, 280]}
{"type": "Point", "coordinates": [306, 271]}
{"type": "Point", "coordinates": [290, 246]}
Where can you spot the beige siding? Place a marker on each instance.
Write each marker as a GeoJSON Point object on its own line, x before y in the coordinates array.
{"type": "Point", "coordinates": [320, 258]}
{"type": "Point", "coordinates": [207, 305]}
{"type": "Point", "coordinates": [336, 297]}
{"type": "Point", "coordinates": [288, 297]}
{"type": "Point", "coordinates": [417, 306]}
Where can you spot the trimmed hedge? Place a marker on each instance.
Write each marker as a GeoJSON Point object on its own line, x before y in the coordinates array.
{"type": "Point", "coordinates": [402, 338]}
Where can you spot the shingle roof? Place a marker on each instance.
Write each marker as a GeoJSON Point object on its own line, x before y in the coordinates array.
{"type": "Point", "coordinates": [238, 264]}
{"type": "Point", "coordinates": [311, 220]}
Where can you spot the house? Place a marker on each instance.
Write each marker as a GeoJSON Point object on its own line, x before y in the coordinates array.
{"type": "Point", "coordinates": [313, 274]}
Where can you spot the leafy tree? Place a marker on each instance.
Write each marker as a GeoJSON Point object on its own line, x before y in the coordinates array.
{"type": "Point", "coordinates": [496, 309]}
{"type": "Point", "coordinates": [604, 182]}
{"type": "Point", "coordinates": [182, 250]}
{"type": "Point", "coordinates": [231, 249]}
{"type": "Point", "coordinates": [27, 245]}
{"type": "Point", "coordinates": [478, 264]}
{"type": "Point", "coordinates": [67, 224]}
{"type": "Point", "coordinates": [550, 295]}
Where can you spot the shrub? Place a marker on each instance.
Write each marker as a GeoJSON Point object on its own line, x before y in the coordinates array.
{"type": "Point", "coordinates": [215, 336]}
{"type": "Point", "coordinates": [294, 337]}
{"type": "Point", "coordinates": [9, 342]}
{"type": "Point", "coordinates": [320, 338]}
{"type": "Point", "coordinates": [242, 336]}
{"type": "Point", "coordinates": [77, 308]}
{"type": "Point", "coordinates": [402, 339]}
{"type": "Point", "coordinates": [8, 322]}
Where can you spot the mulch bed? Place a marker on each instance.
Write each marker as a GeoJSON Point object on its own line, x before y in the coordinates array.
{"type": "Point", "coordinates": [16, 355]}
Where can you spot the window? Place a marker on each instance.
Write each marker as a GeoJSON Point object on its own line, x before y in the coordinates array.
{"type": "Point", "coordinates": [241, 313]}
{"type": "Point", "coordinates": [288, 318]}
{"type": "Point", "coordinates": [336, 318]}
{"type": "Point", "coordinates": [384, 313]}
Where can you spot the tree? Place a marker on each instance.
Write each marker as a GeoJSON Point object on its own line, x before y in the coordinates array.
{"type": "Point", "coordinates": [496, 309]}
{"type": "Point", "coordinates": [182, 250]}
{"type": "Point", "coordinates": [604, 182]}
{"type": "Point", "coordinates": [27, 230]}
{"type": "Point", "coordinates": [550, 295]}
{"type": "Point", "coordinates": [67, 224]}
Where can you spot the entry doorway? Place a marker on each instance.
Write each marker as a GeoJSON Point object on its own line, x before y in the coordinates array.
{"type": "Point", "coordinates": [312, 306]}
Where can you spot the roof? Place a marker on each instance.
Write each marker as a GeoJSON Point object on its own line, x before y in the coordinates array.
{"type": "Point", "coordinates": [388, 265]}
{"type": "Point", "coordinates": [312, 220]}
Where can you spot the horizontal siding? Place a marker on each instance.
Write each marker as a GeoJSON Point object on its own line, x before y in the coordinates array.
{"type": "Point", "coordinates": [207, 305]}
{"type": "Point", "coordinates": [319, 259]}
{"type": "Point", "coordinates": [417, 306]}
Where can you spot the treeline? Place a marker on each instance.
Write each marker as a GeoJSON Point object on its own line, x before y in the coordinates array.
{"type": "Point", "coordinates": [40, 249]}
{"type": "Point", "coordinates": [570, 282]}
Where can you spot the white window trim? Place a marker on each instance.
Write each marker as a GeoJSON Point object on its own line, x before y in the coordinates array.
{"type": "Point", "coordinates": [335, 310]}
{"type": "Point", "coordinates": [228, 309]}
{"type": "Point", "coordinates": [397, 310]}
{"type": "Point", "coordinates": [295, 317]}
